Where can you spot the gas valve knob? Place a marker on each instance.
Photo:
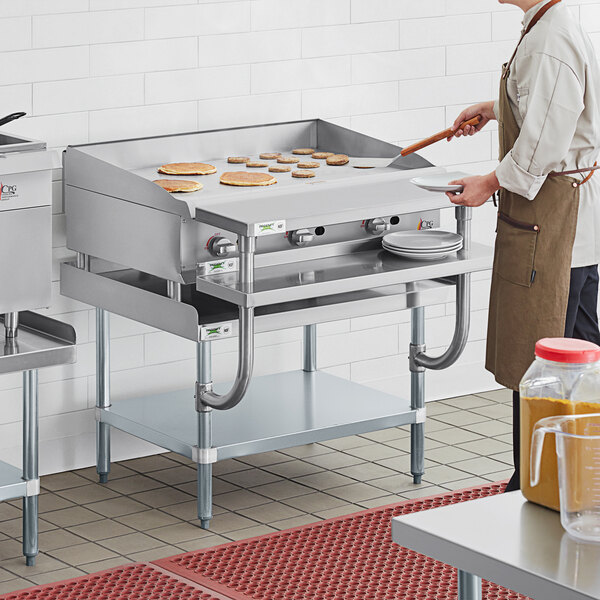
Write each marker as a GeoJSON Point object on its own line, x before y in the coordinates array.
{"type": "Point", "coordinates": [376, 226]}
{"type": "Point", "coordinates": [221, 247]}
{"type": "Point", "coordinates": [301, 237]}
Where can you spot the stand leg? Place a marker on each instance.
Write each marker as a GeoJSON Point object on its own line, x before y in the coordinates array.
{"type": "Point", "coordinates": [30, 464]}
{"type": "Point", "coordinates": [310, 348]}
{"type": "Point", "coordinates": [469, 586]}
{"type": "Point", "coordinates": [102, 392]}
{"type": "Point", "coordinates": [417, 398]}
{"type": "Point", "coordinates": [204, 374]}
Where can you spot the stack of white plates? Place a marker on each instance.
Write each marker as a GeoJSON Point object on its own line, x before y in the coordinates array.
{"type": "Point", "coordinates": [429, 244]}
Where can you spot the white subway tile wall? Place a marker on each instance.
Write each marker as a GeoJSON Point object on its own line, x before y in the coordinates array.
{"type": "Point", "coordinates": [94, 70]}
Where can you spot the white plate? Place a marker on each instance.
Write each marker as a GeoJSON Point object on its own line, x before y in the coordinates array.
{"type": "Point", "coordinates": [439, 182]}
{"type": "Point", "coordinates": [428, 239]}
{"type": "Point", "coordinates": [456, 246]}
{"type": "Point", "coordinates": [432, 256]}
{"type": "Point", "coordinates": [424, 254]}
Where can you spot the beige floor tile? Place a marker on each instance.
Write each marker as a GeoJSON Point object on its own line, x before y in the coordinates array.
{"type": "Point", "coordinates": [117, 470]}
{"type": "Point", "coordinates": [352, 441]}
{"type": "Point", "coordinates": [134, 483]}
{"type": "Point", "coordinates": [67, 517]}
{"type": "Point", "coordinates": [273, 511]}
{"type": "Point", "coordinates": [149, 519]}
{"type": "Point", "coordinates": [12, 585]}
{"type": "Point", "coordinates": [244, 534]}
{"type": "Point", "coordinates": [6, 575]}
{"type": "Point", "coordinates": [294, 522]}
{"type": "Point", "coordinates": [443, 474]}
{"type": "Point", "coordinates": [229, 466]}
{"type": "Point", "coordinates": [49, 502]}
{"type": "Point", "coordinates": [62, 481]}
{"type": "Point", "coordinates": [461, 484]}
{"type": "Point", "coordinates": [294, 468]}
{"type": "Point", "coordinates": [494, 411]}
{"type": "Point", "coordinates": [324, 480]}
{"type": "Point", "coordinates": [397, 484]}
{"type": "Point", "coordinates": [385, 435]}
{"type": "Point", "coordinates": [43, 564]}
{"type": "Point", "coordinates": [449, 454]}
{"type": "Point", "coordinates": [432, 424]}
{"type": "Point", "coordinates": [219, 487]}
{"type": "Point", "coordinates": [251, 478]}
{"type": "Point", "coordinates": [356, 492]}
{"type": "Point", "coordinates": [117, 507]}
{"type": "Point", "coordinates": [504, 457]}
{"type": "Point", "coordinates": [438, 408]}
{"type": "Point", "coordinates": [165, 496]}
{"type": "Point", "coordinates": [55, 576]}
{"type": "Point", "coordinates": [239, 499]}
{"type": "Point", "coordinates": [381, 501]}
{"type": "Point", "coordinates": [147, 464]}
{"type": "Point", "coordinates": [373, 452]}
{"type": "Point", "coordinates": [207, 542]}
{"type": "Point", "coordinates": [307, 450]}
{"type": "Point", "coordinates": [280, 490]}
{"type": "Point", "coordinates": [366, 471]}
{"type": "Point", "coordinates": [154, 553]}
{"type": "Point", "coordinates": [186, 511]}
{"type": "Point", "coordinates": [480, 466]}
{"type": "Point", "coordinates": [177, 533]}
{"type": "Point", "coordinates": [174, 475]}
{"type": "Point", "coordinates": [454, 436]}
{"type": "Point", "coordinates": [502, 395]}
{"type": "Point", "coordinates": [401, 463]}
{"type": "Point", "coordinates": [100, 530]}
{"type": "Point", "coordinates": [311, 503]}
{"type": "Point", "coordinates": [338, 511]}
{"type": "Point", "coordinates": [505, 437]}
{"type": "Point", "coordinates": [87, 493]}
{"type": "Point", "coordinates": [403, 445]}
{"type": "Point", "coordinates": [462, 418]}
{"type": "Point", "coordinates": [82, 553]}
{"type": "Point", "coordinates": [490, 428]}
{"type": "Point", "coordinates": [467, 402]}
{"type": "Point", "coordinates": [265, 459]}
{"type": "Point", "coordinates": [230, 521]}
{"type": "Point", "coordinates": [130, 543]}
{"type": "Point", "coordinates": [486, 446]}
{"type": "Point", "coordinates": [334, 460]}
{"type": "Point", "coordinates": [184, 460]}
{"type": "Point", "coordinates": [7, 511]}
{"type": "Point", "coordinates": [58, 538]}
{"type": "Point", "coordinates": [423, 492]}
{"type": "Point", "coordinates": [499, 476]}
{"type": "Point", "coordinates": [101, 565]}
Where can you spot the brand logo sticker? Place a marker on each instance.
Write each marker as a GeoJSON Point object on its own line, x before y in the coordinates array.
{"type": "Point", "coordinates": [8, 192]}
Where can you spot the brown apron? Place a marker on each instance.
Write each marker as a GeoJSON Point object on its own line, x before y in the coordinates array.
{"type": "Point", "coordinates": [532, 259]}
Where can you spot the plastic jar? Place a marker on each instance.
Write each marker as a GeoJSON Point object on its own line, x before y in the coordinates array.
{"type": "Point", "coordinates": [564, 379]}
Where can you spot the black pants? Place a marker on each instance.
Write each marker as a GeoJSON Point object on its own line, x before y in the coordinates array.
{"type": "Point", "coordinates": [581, 323]}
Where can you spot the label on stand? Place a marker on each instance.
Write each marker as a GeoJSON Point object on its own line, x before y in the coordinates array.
{"type": "Point", "coordinates": [269, 228]}
{"type": "Point", "coordinates": [212, 267]}
{"type": "Point", "coordinates": [215, 332]}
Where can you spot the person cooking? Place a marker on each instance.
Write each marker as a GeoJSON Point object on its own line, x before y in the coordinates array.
{"type": "Point", "coordinates": [545, 273]}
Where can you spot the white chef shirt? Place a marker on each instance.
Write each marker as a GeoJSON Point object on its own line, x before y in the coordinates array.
{"type": "Point", "coordinates": [554, 93]}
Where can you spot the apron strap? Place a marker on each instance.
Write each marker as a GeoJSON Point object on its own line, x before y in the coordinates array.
{"type": "Point", "coordinates": [531, 25]}
{"type": "Point", "coordinates": [589, 170]}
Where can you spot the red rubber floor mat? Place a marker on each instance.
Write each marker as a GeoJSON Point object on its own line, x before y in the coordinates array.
{"type": "Point", "coordinates": [346, 558]}
{"type": "Point", "coordinates": [135, 581]}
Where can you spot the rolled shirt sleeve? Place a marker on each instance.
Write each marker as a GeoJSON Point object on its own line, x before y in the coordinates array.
{"type": "Point", "coordinates": [550, 101]}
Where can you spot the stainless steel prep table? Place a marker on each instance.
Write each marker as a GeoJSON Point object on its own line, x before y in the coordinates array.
{"type": "Point", "coordinates": [507, 540]}
{"type": "Point", "coordinates": [231, 261]}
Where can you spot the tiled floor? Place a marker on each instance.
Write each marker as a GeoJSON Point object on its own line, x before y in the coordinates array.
{"type": "Point", "coordinates": [148, 509]}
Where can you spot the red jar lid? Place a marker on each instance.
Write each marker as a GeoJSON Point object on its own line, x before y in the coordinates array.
{"type": "Point", "coordinates": [567, 350]}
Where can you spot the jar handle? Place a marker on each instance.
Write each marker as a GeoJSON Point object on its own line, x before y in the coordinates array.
{"type": "Point", "coordinates": [541, 428]}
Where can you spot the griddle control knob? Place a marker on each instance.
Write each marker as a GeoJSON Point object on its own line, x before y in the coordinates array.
{"type": "Point", "coordinates": [221, 247]}
{"type": "Point", "coordinates": [301, 237]}
{"type": "Point", "coordinates": [376, 226]}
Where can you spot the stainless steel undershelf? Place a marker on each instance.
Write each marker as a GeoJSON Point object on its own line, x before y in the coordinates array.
{"type": "Point", "coordinates": [279, 411]}
{"type": "Point", "coordinates": [143, 298]}
{"type": "Point", "coordinates": [12, 484]}
{"type": "Point", "coordinates": [338, 274]}
{"type": "Point", "coordinates": [41, 342]}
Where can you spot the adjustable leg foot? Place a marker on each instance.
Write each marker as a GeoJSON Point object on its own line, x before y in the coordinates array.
{"type": "Point", "coordinates": [30, 561]}
{"type": "Point", "coordinates": [205, 523]}
{"type": "Point", "coordinates": [103, 477]}
{"type": "Point", "coordinates": [417, 479]}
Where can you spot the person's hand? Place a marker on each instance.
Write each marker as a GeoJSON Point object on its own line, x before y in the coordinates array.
{"type": "Point", "coordinates": [476, 190]}
{"type": "Point", "coordinates": [485, 109]}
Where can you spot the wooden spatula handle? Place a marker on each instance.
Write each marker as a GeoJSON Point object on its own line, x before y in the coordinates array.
{"type": "Point", "coordinates": [442, 135]}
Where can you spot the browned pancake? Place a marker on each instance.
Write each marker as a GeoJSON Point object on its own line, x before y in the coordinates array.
{"type": "Point", "coordinates": [308, 165]}
{"type": "Point", "coordinates": [280, 169]}
{"type": "Point", "coordinates": [322, 154]}
{"type": "Point", "coordinates": [288, 160]}
{"type": "Point", "coordinates": [303, 150]}
{"type": "Point", "coordinates": [256, 164]}
{"type": "Point", "coordinates": [190, 168]}
{"type": "Point", "coordinates": [238, 160]}
{"type": "Point", "coordinates": [303, 173]}
{"type": "Point", "coordinates": [270, 155]}
{"type": "Point", "coordinates": [246, 179]}
{"type": "Point", "coordinates": [337, 159]}
{"type": "Point", "coordinates": [364, 167]}
{"type": "Point", "coordinates": [178, 185]}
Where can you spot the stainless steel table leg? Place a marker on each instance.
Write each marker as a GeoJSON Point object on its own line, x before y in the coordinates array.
{"type": "Point", "coordinates": [417, 397]}
{"type": "Point", "coordinates": [102, 392]}
{"type": "Point", "coordinates": [310, 348]}
{"type": "Point", "coordinates": [30, 464]}
{"type": "Point", "coordinates": [469, 586]}
{"type": "Point", "coordinates": [204, 374]}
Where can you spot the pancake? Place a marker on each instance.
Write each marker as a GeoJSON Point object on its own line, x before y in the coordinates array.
{"type": "Point", "coordinates": [288, 160]}
{"type": "Point", "coordinates": [246, 179]}
{"type": "Point", "coordinates": [280, 169]}
{"type": "Point", "coordinates": [303, 174]}
{"type": "Point", "coordinates": [303, 150]}
{"type": "Point", "coordinates": [187, 169]}
{"type": "Point", "coordinates": [309, 165]}
{"type": "Point", "coordinates": [178, 185]}
{"type": "Point", "coordinates": [270, 155]}
{"type": "Point", "coordinates": [364, 167]}
{"type": "Point", "coordinates": [238, 160]}
{"type": "Point", "coordinates": [337, 159]}
{"type": "Point", "coordinates": [322, 154]}
{"type": "Point", "coordinates": [256, 164]}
